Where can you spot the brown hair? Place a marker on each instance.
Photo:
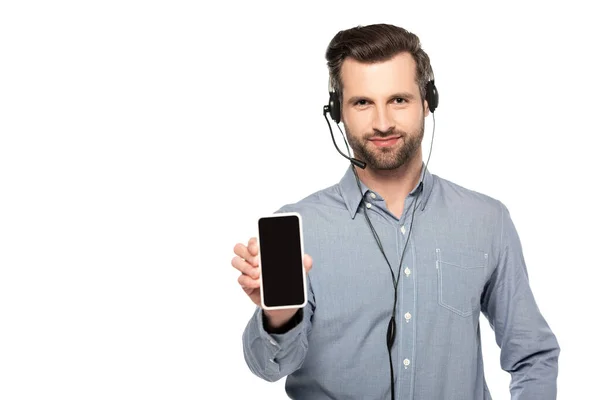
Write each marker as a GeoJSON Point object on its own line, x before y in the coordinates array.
{"type": "Point", "coordinates": [375, 43]}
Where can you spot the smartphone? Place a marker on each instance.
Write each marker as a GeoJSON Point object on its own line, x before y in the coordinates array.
{"type": "Point", "coordinates": [281, 249]}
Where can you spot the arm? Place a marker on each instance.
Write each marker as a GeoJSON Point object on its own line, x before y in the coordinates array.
{"type": "Point", "coordinates": [274, 353]}
{"type": "Point", "coordinates": [529, 349]}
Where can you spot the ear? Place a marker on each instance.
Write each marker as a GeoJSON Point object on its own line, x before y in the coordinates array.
{"type": "Point", "coordinates": [425, 109]}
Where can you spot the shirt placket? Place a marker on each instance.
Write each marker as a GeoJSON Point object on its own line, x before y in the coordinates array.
{"type": "Point", "coordinates": [406, 309]}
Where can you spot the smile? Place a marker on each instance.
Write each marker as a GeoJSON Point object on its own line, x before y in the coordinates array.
{"type": "Point", "coordinates": [384, 142]}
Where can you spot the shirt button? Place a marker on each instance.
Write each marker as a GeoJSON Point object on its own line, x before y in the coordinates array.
{"type": "Point", "coordinates": [373, 195]}
{"type": "Point", "coordinates": [406, 363]}
{"type": "Point", "coordinates": [407, 316]}
{"type": "Point", "coordinates": [274, 343]}
{"type": "Point", "coordinates": [407, 271]}
{"type": "Point", "coordinates": [273, 361]}
{"type": "Point", "coordinates": [403, 229]}
{"type": "Point", "coordinates": [368, 205]}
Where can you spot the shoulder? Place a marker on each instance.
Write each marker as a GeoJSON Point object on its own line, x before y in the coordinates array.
{"type": "Point", "coordinates": [464, 200]}
{"type": "Point", "coordinates": [322, 201]}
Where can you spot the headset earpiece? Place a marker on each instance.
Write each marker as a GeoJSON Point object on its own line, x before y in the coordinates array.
{"type": "Point", "coordinates": [431, 95]}
{"type": "Point", "coordinates": [334, 107]}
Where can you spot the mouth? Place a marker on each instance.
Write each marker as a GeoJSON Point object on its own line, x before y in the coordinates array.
{"type": "Point", "coordinates": [385, 142]}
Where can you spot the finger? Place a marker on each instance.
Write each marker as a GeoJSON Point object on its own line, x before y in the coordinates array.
{"type": "Point", "coordinates": [308, 262]}
{"type": "Point", "coordinates": [242, 265]}
{"type": "Point", "coordinates": [253, 246]}
{"type": "Point", "coordinates": [242, 251]}
{"type": "Point", "coordinates": [246, 282]}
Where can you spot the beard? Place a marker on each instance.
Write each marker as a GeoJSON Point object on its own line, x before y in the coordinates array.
{"type": "Point", "coordinates": [387, 158]}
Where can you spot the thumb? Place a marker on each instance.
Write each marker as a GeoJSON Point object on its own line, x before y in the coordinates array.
{"type": "Point", "coordinates": [308, 262]}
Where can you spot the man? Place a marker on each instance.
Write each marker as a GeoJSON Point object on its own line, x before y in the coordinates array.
{"type": "Point", "coordinates": [454, 253]}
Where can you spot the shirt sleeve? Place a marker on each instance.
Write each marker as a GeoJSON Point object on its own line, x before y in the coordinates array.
{"type": "Point", "coordinates": [272, 356]}
{"type": "Point", "coordinates": [528, 349]}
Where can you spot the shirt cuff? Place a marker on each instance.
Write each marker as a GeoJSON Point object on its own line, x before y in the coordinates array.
{"type": "Point", "coordinates": [277, 342]}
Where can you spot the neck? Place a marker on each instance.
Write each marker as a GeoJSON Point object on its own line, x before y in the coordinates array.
{"type": "Point", "coordinates": [394, 185]}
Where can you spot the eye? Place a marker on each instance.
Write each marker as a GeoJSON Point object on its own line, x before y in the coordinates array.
{"type": "Point", "coordinates": [399, 100]}
{"type": "Point", "coordinates": [361, 102]}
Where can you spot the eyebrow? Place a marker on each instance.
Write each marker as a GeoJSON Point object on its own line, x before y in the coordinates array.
{"type": "Point", "coordinates": [407, 96]}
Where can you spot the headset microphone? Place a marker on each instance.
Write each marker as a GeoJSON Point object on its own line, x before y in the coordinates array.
{"type": "Point", "coordinates": [354, 161]}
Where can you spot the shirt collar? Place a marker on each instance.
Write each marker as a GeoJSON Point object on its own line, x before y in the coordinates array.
{"type": "Point", "coordinates": [352, 197]}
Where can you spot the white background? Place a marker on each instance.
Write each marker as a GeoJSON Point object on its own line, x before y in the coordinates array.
{"type": "Point", "coordinates": [140, 141]}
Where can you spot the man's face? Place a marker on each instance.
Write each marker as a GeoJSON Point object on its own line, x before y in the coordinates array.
{"type": "Point", "coordinates": [382, 111]}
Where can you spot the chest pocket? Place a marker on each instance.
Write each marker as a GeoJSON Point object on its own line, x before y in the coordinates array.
{"type": "Point", "coordinates": [461, 277]}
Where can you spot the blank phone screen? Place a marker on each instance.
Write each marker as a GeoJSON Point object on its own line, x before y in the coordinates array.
{"type": "Point", "coordinates": [281, 261]}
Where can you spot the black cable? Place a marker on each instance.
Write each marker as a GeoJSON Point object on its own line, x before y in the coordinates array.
{"type": "Point", "coordinates": [391, 330]}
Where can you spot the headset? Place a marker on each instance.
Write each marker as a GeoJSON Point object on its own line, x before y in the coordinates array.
{"type": "Point", "coordinates": [334, 110]}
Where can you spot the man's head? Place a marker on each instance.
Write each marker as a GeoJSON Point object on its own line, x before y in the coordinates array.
{"type": "Point", "coordinates": [380, 73]}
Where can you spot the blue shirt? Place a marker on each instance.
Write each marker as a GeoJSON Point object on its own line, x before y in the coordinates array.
{"type": "Point", "coordinates": [463, 258]}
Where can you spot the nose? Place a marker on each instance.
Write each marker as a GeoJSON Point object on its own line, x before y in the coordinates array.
{"type": "Point", "coordinates": [382, 121]}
